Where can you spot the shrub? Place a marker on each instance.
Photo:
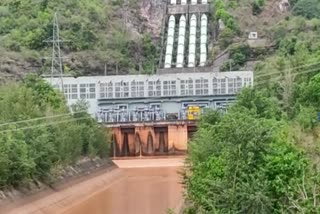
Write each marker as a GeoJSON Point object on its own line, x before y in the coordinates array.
{"type": "Point", "coordinates": [257, 6]}
{"type": "Point", "coordinates": [307, 8]}
{"type": "Point", "coordinates": [306, 117]}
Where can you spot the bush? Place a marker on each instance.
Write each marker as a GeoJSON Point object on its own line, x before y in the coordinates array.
{"type": "Point", "coordinates": [243, 164]}
{"type": "Point", "coordinates": [226, 38]}
{"type": "Point", "coordinates": [257, 7]}
{"type": "Point", "coordinates": [31, 150]}
{"type": "Point", "coordinates": [240, 53]}
{"type": "Point", "coordinates": [306, 117]}
{"type": "Point", "coordinates": [307, 8]}
{"type": "Point", "coordinates": [222, 13]}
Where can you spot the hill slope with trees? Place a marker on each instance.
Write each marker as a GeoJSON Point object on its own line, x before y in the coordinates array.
{"type": "Point", "coordinates": [114, 34]}
{"type": "Point", "coordinates": [262, 156]}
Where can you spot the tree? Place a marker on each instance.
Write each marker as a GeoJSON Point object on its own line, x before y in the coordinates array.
{"type": "Point", "coordinates": [47, 136]}
{"type": "Point", "coordinates": [258, 101]}
{"type": "Point", "coordinates": [307, 8]}
{"type": "Point", "coordinates": [243, 165]}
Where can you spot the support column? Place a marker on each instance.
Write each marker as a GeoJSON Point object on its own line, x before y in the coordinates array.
{"type": "Point", "coordinates": [178, 137]}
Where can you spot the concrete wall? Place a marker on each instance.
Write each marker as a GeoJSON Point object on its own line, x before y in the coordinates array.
{"type": "Point", "coordinates": [175, 139]}
{"type": "Point", "coordinates": [184, 9]}
{"type": "Point", "coordinates": [178, 137]}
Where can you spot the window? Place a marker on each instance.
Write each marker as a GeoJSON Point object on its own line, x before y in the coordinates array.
{"type": "Point", "coordinates": [154, 88]}
{"type": "Point", "coordinates": [71, 91]}
{"type": "Point", "coordinates": [219, 86]}
{"type": "Point", "coordinates": [106, 90]}
{"type": "Point", "coordinates": [232, 85]}
{"type": "Point", "coordinates": [169, 88]}
{"type": "Point", "coordinates": [88, 91]}
{"type": "Point", "coordinates": [122, 89]}
{"type": "Point", "coordinates": [186, 87]}
{"type": "Point", "coordinates": [247, 81]}
{"type": "Point", "coordinates": [92, 91]}
{"type": "Point", "coordinates": [238, 84]}
{"type": "Point", "coordinates": [74, 91]}
{"type": "Point", "coordinates": [202, 86]}
{"type": "Point", "coordinates": [137, 89]}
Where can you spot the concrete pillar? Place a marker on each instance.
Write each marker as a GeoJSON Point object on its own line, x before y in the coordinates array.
{"type": "Point", "coordinates": [117, 133]}
{"type": "Point", "coordinates": [178, 137]}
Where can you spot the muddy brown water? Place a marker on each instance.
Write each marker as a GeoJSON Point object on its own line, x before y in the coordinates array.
{"type": "Point", "coordinates": [142, 191]}
{"type": "Point", "coordinates": [140, 186]}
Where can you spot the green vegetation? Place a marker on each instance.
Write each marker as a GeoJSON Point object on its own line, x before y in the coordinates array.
{"type": "Point", "coordinates": [48, 136]}
{"type": "Point", "coordinates": [231, 29]}
{"type": "Point", "coordinates": [250, 160]}
{"type": "Point", "coordinates": [307, 8]}
{"type": "Point", "coordinates": [297, 44]}
{"type": "Point", "coordinates": [90, 25]}
{"type": "Point", "coordinates": [257, 7]}
{"type": "Point", "coordinates": [262, 155]}
{"type": "Point", "coordinates": [239, 54]}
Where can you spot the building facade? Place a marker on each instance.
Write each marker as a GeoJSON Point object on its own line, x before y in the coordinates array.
{"type": "Point", "coordinates": [126, 98]}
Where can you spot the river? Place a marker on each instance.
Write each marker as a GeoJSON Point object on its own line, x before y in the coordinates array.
{"type": "Point", "coordinates": [142, 191]}
{"type": "Point", "coordinates": [131, 189]}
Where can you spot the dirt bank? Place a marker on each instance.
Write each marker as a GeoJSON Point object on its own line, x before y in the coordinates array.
{"type": "Point", "coordinates": [149, 189]}
{"type": "Point", "coordinates": [69, 176]}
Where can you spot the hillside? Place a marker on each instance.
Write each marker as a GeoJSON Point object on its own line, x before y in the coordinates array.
{"type": "Point", "coordinates": [99, 33]}
{"type": "Point", "coordinates": [261, 155]}
{"type": "Point", "coordinates": [124, 36]}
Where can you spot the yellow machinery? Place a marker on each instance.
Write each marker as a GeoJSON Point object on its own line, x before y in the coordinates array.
{"type": "Point", "coordinates": [193, 112]}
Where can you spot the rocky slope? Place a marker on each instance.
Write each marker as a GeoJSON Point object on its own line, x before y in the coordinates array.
{"type": "Point", "coordinates": [125, 42]}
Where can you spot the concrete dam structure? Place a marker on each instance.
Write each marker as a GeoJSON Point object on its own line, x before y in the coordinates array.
{"type": "Point", "coordinates": [139, 106]}
{"type": "Point", "coordinates": [157, 114]}
{"type": "Point", "coordinates": [151, 139]}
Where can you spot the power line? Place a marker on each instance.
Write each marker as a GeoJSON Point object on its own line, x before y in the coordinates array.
{"type": "Point", "coordinates": [278, 77]}
{"type": "Point", "coordinates": [290, 69]}
{"type": "Point", "coordinates": [39, 118]}
{"type": "Point", "coordinates": [43, 125]}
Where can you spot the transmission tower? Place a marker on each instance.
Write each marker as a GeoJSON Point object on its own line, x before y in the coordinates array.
{"type": "Point", "coordinates": [56, 59]}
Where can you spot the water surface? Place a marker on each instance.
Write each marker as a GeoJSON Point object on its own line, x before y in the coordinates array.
{"type": "Point", "coordinates": [138, 191]}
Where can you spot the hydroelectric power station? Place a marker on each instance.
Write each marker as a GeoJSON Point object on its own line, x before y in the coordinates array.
{"type": "Point", "coordinates": [156, 114]}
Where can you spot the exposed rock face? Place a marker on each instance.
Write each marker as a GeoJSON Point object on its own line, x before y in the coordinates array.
{"type": "Point", "coordinates": [139, 16]}
{"type": "Point", "coordinates": [284, 5]}
{"type": "Point", "coordinates": [14, 67]}
{"type": "Point", "coordinates": [153, 13]}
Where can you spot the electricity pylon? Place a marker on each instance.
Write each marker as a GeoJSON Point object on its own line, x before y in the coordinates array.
{"type": "Point", "coordinates": [56, 59]}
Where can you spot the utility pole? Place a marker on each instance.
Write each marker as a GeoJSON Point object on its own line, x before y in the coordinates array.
{"type": "Point", "coordinates": [117, 69]}
{"type": "Point", "coordinates": [56, 59]}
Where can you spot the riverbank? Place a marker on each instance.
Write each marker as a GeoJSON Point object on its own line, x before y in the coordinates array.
{"type": "Point", "coordinates": [151, 188]}
{"type": "Point", "coordinates": [84, 169]}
